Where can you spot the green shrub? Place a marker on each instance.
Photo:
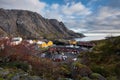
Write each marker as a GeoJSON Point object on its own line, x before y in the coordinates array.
{"type": "Point", "coordinates": [19, 65]}
{"type": "Point", "coordinates": [112, 78]}
{"type": "Point", "coordinates": [1, 79]}
{"type": "Point", "coordinates": [99, 69]}
{"type": "Point", "coordinates": [85, 78]}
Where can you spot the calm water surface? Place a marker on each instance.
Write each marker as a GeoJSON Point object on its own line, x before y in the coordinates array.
{"type": "Point", "coordinates": [96, 36]}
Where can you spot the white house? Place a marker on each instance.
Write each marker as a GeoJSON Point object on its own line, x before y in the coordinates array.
{"type": "Point", "coordinates": [30, 41]}
{"type": "Point", "coordinates": [16, 40]}
{"type": "Point", "coordinates": [40, 42]}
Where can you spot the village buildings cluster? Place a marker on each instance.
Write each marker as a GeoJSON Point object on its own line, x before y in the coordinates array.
{"type": "Point", "coordinates": [18, 40]}
{"type": "Point", "coordinates": [47, 49]}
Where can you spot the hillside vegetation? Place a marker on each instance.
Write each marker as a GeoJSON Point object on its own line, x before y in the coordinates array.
{"type": "Point", "coordinates": [105, 58]}
{"type": "Point", "coordinates": [102, 63]}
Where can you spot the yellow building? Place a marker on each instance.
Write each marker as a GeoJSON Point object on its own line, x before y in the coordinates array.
{"type": "Point", "coordinates": [50, 43]}
{"type": "Point", "coordinates": [72, 42]}
{"type": "Point", "coordinates": [43, 45]}
{"type": "Point", "coordinates": [34, 41]}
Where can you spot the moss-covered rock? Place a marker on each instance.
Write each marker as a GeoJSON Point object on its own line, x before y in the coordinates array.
{"type": "Point", "coordinates": [16, 74]}
{"type": "Point", "coordinates": [85, 78]}
{"type": "Point", "coordinates": [4, 73]}
{"type": "Point", "coordinates": [81, 70]}
{"type": "Point", "coordinates": [97, 76]}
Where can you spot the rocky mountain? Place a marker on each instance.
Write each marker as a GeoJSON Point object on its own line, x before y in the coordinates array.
{"type": "Point", "coordinates": [29, 24]}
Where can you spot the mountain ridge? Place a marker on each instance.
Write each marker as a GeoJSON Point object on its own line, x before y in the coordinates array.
{"type": "Point", "coordinates": [31, 24]}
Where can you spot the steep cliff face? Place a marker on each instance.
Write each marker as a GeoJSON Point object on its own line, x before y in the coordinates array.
{"type": "Point", "coordinates": [30, 24]}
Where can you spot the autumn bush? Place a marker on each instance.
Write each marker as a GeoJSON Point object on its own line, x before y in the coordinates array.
{"type": "Point", "coordinates": [22, 56]}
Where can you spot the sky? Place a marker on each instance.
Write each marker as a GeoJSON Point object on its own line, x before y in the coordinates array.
{"type": "Point", "coordinates": [77, 15]}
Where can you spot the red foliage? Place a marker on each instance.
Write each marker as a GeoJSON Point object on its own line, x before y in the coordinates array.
{"type": "Point", "coordinates": [26, 53]}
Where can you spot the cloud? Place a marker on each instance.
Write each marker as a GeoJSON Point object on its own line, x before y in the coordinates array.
{"type": "Point", "coordinates": [91, 2]}
{"type": "Point", "coordinates": [75, 8]}
{"type": "Point", "coordinates": [68, 11]}
{"type": "Point", "coordinates": [105, 19]}
{"type": "Point", "coordinates": [114, 3]}
{"type": "Point", "coordinates": [32, 5]}
{"type": "Point", "coordinates": [55, 6]}
{"type": "Point", "coordinates": [67, 1]}
{"type": "Point", "coordinates": [107, 31]}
